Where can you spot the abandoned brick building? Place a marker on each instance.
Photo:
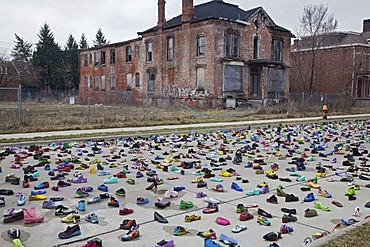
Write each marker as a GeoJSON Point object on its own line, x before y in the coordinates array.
{"type": "Point", "coordinates": [211, 52]}
{"type": "Point", "coordinates": [341, 64]}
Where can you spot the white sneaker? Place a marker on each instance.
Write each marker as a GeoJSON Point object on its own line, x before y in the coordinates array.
{"type": "Point", "coordinates": [211, 200]}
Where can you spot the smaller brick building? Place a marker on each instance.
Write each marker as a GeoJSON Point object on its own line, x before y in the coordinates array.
{"type": "Point", "coordinates": [211, 52]}
{"type": "Point", "coordinates": [342, 64]}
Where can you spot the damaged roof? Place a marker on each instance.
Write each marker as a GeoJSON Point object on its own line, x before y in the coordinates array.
{"type": "Point", "coordinates": [215, 9]}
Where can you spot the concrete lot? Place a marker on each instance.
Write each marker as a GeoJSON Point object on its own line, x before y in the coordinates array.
{"type": "Point", "coordinates": [45, 234]}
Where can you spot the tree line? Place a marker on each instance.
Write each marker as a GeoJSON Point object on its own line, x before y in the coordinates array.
{"type": "Point", "coordinates": [48, 66]}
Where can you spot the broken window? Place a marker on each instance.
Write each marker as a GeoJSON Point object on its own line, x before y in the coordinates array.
{"type": "Point", "coordinates": [149, 51]}
{"type": "Point", "coordinates": [112, 82]}
{"type": "Point", "coordinates": [91, 82]}
{"type": "Point", "coordinates": [277, 49]}
{"type": "Point", "coordinates": [96, 83]}
{"type": "Point", "coordinates": [86, 83]}
{"type": "Point", "coordinates": [151, 81]}
{"type": "Point", "coordinates": [169, 48]}
{"type": "Point", "coordinates": [102, 57]}
{"type": "Point", "coordinates": [90, 58]}
{"type": "Point", "coordinates": [128, 82]}
{"type": "Point", "coordinates": [232, 44]}
{"type": "Point", "coordinates": [112, 56]}
{"type": "Point", "coordinates": [256, 47]}
{"type": "Point", "coordinates": [200, 79]}
{"type": "Point", "coordinates": [254, 83]}
{"type": "Point", "coordinates": [201, 45]}
{"type": "Point", "coordinates": [103, 82]}
{"type": "Point", "coordinates": [137, 80]}
{"type": "Point", "coordinates": [96, 58]}
{"type": "Point", "coordinates": [276, 82]}
{"type": "Point", "coordinates": [128, 54]}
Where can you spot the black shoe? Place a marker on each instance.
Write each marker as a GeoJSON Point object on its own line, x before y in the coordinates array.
{"type": "Point", "coordinates": [272, 236]}
{"type": "Point", "coordinates": [272, 199]}
{"type": "Point", "coordinates": [289, 211]}
{"type": "Point", "coordinates": [160, 218]}
{"type": "Point", "coordinates": [14, 233]}
{"type": "Point", "coordinates": [291, 198]}
{"type": "Point", "coordinates": [262, 212]}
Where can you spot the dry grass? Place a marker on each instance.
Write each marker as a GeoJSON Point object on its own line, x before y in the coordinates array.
{"type": "Point", "coordinates": [56, 116]}
{"type": "Point", "coordinates": [358, 237]}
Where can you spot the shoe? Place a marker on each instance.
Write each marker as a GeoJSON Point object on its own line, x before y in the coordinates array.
{"type": "Point", "coordinates": [49, 205]}
{"type": "Point", "coordinates": [103, 187]}
{"type": "Point", "coordinates": [165, 243]}
{"type": "Point", "coordinates": [180, 230]}
{"type": "Point", "coordinates": [336, 203]}
{"type": "Point", "coordinates": [43, 185]}
{"type": "Point", "coordinates": [111, 180]}
{"type": "Point", "coordinates": [280, 190]}
{"type": "Point", "coordinates": [121, 192]}
{"type": "Point", "coordinates": [31, 217]}
{"type": "Point", "coordinates": [171, 193]}
{"type": "Point", "coordinates": [319, 205]}
{"type": "Point", "coordinates": [291, 198]}
{"type": "Point", "coordinates": [141, 200]}
{"type": "Point", "coordinates": [272, 199]}
{"type": "Point", "coordinates": [289, 211]}
{"type": "Point", "coordinates": [309, 198]}
{"type": "Point", "coordinates": [70, 232]}
{"type": "Point", "coordinates": [113, 202]}
{"type": "Point", "coordinates": [160, 218]}
{"type": "Point", "coordinates": [349, 222]}
{"type": "Point", "coordinates": [357, 212]}
{"type": "Point", "coordinates": [126, 211]}
{"type": "Point", "coordinates": [211, 208]}
{"type": "Point", "coordinates": [131, 181]}
{"type": "Point", "coordinates": [105, 196]}
{"type": "Point", "coordinates": [210, 234]}
{"type": "Point", "coordinates": [162, 203]}
{"type": "Point", "coordinates": [62, 210]}
{"type": "Point", "coordinates": [71, 218]}
{"type": "Point", "coordinates": [14, 233]}
{"type": "Point", "coordinates": [190, 218]}
{"type": "Point", "coordinates": [350, 191]}
{"type": "Point", "coordinates": [245, 216]}
{"type": "Point", "coordinates": [185, 204]}
{"type": "Point", "coordinates": [240, 208]}
{"type": "Point", "coordinates": [63, 184]}
{"type": "Point", "coordinates": [263, 221]}
{"type": "Point", "coordinates": [222, 221]}
{"type": "Point", "coordinates": [81, 205]}
{"type": "Point", "coordinates": [92, 218]}
{"type": "Point", "coordinates": [38, 192]}
{"type": "Point", "coordinates": [284, 229]}
{"type": "Point", "coordinates": [94, 200]}
{"type": "Point", "coordinates": [36, 197]}
{"type": "Point", "coordinates": [324, 193]}
{"type": "Point", "coordinates": [96, 242]}
{"type": "Point", "coordinates": [128, 224]}
{"type": "Point", "coordinates": [225, 174]}
{"type": "Point", "coordinates": [252, 192]}
{"type": "Point", "coordinates": [21, 200]}
{"type": "Point", "coordinates": [178, 188]}
{"type": "Point", "coordinates": [272, 236]}
{"type": "Point", "coordinates": [312, 185]}
{"type": "Point", "coordinates": [309, 213]}
{"type": "Point", "coordinates": [288, 218]}
{"type": "Point", "coordinates": [13, 215]}
{"type": "Point", "coordinates": [262, 212]}
{"type": "Point", "coordinates": [214, 179]}
{"type": "Point", "coordinates": [218, 188]}
{"type": "Point", "coordinates": [17, 243]}
{"type": "Point", "coordinates": [236, 187]}
{"type": "Point", "coordinates": [80, 193]}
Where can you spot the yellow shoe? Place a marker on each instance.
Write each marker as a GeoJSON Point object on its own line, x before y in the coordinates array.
{"type": "Point", "coordinates": [92, 169]}
{"type": "Point", "coordinates": [159, 166]}
{"type": "Point", "coordinates": [71, 218]}
{"type": "Point", "coordinates": [197, 179]}
{"type": "Point", "coordinates": [113, 166]}
{"type": "Point", "coordinates": [321, 174]}
{"type": "Point", "coordinates": [225, 174]}
{"type": "Point", "coordinates": [270, 172]}
{"type": "Point", "coordinates": [37, 197]}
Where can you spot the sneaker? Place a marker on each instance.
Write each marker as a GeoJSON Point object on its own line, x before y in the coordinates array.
{"type": "Point", "coordinates": [263, 221]}
{"type": "Point", "coordinates": [179, 230]}
{"type": "Point", "coordinates": [113, 202]}
{"type": "Point", "coordinates": [49, 204]}
{"type": "Point", "coordinates": [240, 208]}
{"type": "Point", "coordinates": [71, 231]}
{"type": "Point", "coordinates": [62, 210]}
{"type": "Point", "coordinates": [126, 211]}
{"type": "Point", "coordinates": [284, 229]}
{"type": "Point", "coordinates": [111, 180]}
{"type": "Point", "coordinates": [211, 208]}
{"type": "Point", "coordinates": [81, 205]}
{"type": "Point", "coordinates": [14, 233]}
{"type": "Point", "coordinates": [245, 216]}
{"type": "Point", "coordinates": [94, 200]}
{"type": "Point", "coordinates": [92, 218]}
{"type": "Point", "coordinates": [288, 218]}
{"type": "Point", "coordinates": [103, 187]}
{"type": "Point", "coordinates": [210, 234]}
{"type": "Point", "coordinates": [71, 218]}
{"type": "Point", "coordinates": [127, 224]}
{"type": "Point", "coordinates": [263, 213]}
{"type": "Point", "coordinates": [131, 234]}
{"type": "Point", "coordinates": [272, 236]}
{"type": "Point", "coordinates": [121, 192]}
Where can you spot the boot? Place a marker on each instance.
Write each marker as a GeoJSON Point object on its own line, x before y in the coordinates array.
{"type": "Point", "coordinates": [92, 169]}
{"type": "Point", "coordinates": [165, 168]}
{"type": "Point", "coordinates": [355, 152]}
{"type": "Point", "coordinates": [31, 217]}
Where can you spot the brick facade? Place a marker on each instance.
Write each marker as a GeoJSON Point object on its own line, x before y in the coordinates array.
{"type": "Point", "coordinates": [196, 59]}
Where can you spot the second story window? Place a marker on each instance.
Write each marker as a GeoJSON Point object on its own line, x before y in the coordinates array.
{"type": "Point", "coordinates": [137, 51]}
{"type": "Point", "coordinates": [169, 48]}
{"type": "Point", "coordinates": [85, 60]}
{"type": "Point", "coordinates": [201, 43]}
{"type": "Point", "coordinates": [149, 51]}
{"type": "Point", "coordinates": [256, 47]}
{"type": "Point", "coordinates": [232, 44]}
{"type": "Point", "coordinates": [128, 54]}
{"type": "Point", "coordinates": [102, 57]}
{"type": "Point", "coordinates": [112, 56]}
{"type": "Point", "coordinates": [96, 59]}
{"type": "Point", "coordinates": [276, 50]}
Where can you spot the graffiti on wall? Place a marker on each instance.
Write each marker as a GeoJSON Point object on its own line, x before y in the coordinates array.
{"type": "Point", "coordinates": [174, 91]}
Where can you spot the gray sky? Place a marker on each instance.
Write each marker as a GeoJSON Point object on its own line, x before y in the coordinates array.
{"type": "Point", "coordinates": [121, 19]}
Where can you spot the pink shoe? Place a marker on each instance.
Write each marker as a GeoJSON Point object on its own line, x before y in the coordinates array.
{"type": "Point", "coordinates": [222, 221]}
{"type": "Point", "coordinates": [31, 217]}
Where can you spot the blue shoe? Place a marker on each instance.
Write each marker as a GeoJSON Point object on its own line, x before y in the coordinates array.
{"type": "Point", "coordinates": [111, 180]}
{"type": "Point", "coordinates": [21, 200]}
{"type": "Point", "coordinates": [103, 188]}
{"type": "Point", "coordinates": [208, 242]}
{"type": "Point", "coordinates": [40, 192]}
{"type": "Point", "coordinates": [141, 200]}
{"type": "Point", "coordinates": [88, 189]}
{"type": "Point", "coordinates": [178, 188]}
{"type": "Point", "coordinates": [81, 205]}
{"type": "Point", "coordinates": [94, 200]}
{"type": "Point", "coordinates": [236, 187]}
{"type": "Point", "coordinates": [103, 173]}
{"type": "Point", "coordinates": [226, 240]}
{"type": "Point", "coordinates": [309, 198]}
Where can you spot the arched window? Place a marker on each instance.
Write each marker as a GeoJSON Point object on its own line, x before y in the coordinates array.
{"type": "Point", "coordinates": [201, 43]}
{"type": "Point", "coordinates": [169, 48]}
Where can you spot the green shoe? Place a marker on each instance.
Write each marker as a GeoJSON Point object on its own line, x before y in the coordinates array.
{"type": "Point", "coordinates": [356, 187]}
{"type": "Point", "coordinates": [173, 168]}
{"type": "Point", "coordinates": [314, 179]}
{"type": "Point", "coordinates": [111, 180]}
{"type": "Point", "coordinates": [185, 204]}
{"type": "Point", "coordinates": [130, 181]}
{"type": "Point", "coordinates": [301, 179]}
{"type": "Point", "coordinates": [17, 243]}
{"type": "Point", "coordinates": [350, 191]}
{"type": "Point", "coordinates": [35, 174]}
{"type": "Point", "coordinates": [319, 205]}
{"type": "Point", "coordinates": [311, 158]}
{"type": "Point", "coordinates": [214, 179]}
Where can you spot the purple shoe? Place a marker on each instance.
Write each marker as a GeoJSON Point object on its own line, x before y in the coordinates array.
{"type": "Point", "coordinates": [200, 194]}
{"type": "Point", "coordinates": [79, 180]}
{"type": "Point", "coordinates": [264, 190]}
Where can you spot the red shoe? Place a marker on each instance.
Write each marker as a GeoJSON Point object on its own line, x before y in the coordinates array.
{"type": "Point", "coordinates": [126, 211]}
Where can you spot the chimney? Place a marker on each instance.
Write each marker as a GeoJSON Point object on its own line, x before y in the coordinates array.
{"type": "Point", "coordinates": [366, 26]}
{"type": "Point", "coordinates": [187, 10]}
{"type": "Point", "coordinates": [161, 13]}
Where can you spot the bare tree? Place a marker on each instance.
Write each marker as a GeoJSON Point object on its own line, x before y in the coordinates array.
{"type": "Point", "coordinates": [315, 25]}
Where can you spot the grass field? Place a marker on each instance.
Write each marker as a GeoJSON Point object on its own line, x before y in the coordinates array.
{"type": "Point", "coordinates": [358, 237]}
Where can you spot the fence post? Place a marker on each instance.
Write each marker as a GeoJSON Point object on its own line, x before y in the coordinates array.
{"type": "Point", "coordinates": [19, 105]}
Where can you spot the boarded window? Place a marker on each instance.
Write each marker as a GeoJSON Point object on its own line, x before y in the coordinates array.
{"type": "Point", "coordinates": [254, 87]}
{"type": "Point", "coordinates": [200, 78]}
{"type": "Point", "coordinates": [137, 80]}
{"type": "Point", "coordinates": [149, 51]}
{"type": "Point", "coordinates": [86, 83]}
{"type": "Point", "coordinates": [276, 51]}
{"type": "Point", "coordinates": [169, 48]}
{"type": "Point", "coordinates": [103, 82]}
{"type": "Point", "coordinates": [151, 81]}
{"type": "Point", "coordinates": [128, 82]}
{"type": "Point", "coordinates": [96, 83]}
{"type": "Point", "coordinates": [233, 78]}
{"type": "Point", "coordinates": [276, 82]}
{"type": "Point", "coordinates": [112, 82]}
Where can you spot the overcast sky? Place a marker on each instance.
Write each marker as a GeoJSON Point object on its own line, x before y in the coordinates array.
{"type": "Point", "coordinates": [121, 19]}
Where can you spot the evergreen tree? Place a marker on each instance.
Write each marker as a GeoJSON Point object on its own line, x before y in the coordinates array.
{"type": "Point", "coordinates": [70, 64]}
{"type": "Point", "coordinates": [47, 58]}
{"type": "Point", "coordinates": [100, 39]}
{"type": "Point", "coordinates": [22, 54]}
{"type": "Point", "coordinates": [83, 42]}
